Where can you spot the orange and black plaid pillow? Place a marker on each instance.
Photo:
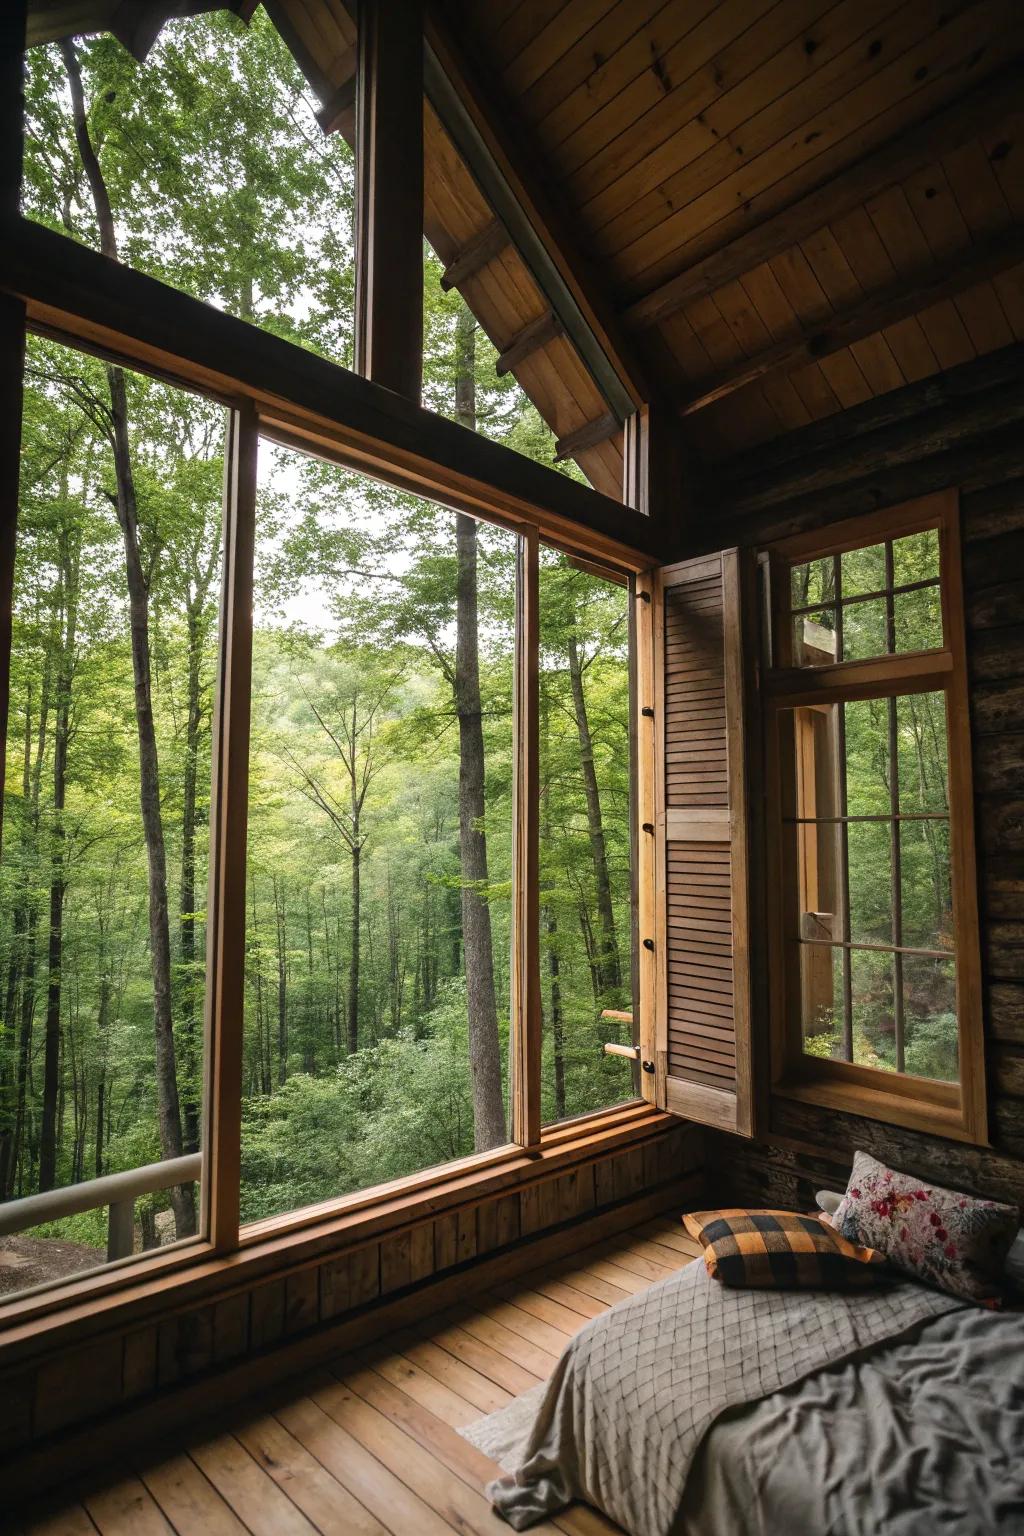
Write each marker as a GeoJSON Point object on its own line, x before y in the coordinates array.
{"type": "Point", "coordinates": [781, 1249]}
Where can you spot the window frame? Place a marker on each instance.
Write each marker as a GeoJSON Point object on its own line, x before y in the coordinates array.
{"type": "Point", "coordinates": [955, 1110]}
{"type": "Point", "coordinates": [222, 1240]}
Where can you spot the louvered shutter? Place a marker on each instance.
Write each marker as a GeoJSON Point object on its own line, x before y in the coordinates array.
{"type": "Point", "coordinates": [698, 957]}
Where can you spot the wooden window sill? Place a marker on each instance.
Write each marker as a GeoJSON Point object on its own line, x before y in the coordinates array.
{"type": "Point", "coordinates": [179, 1278]}
{"type": "Point", "coordinates": [936, 1113]}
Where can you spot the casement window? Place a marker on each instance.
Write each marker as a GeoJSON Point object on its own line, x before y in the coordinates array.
{"type": "Point", "coordinates": [873, 913]}
{"type": "Point", "coordinates": [837, 933]}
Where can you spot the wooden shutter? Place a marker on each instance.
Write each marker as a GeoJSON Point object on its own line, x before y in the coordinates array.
{"type": "Point", "coordinates": [697, 959]}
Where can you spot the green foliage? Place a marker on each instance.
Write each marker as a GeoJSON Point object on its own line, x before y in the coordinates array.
{"type": "Point", "coordinates": [222, 184]}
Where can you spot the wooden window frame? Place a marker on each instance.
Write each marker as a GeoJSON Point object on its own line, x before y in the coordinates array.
{"type": "Point", "coordinates": [955, 1110]}
{"type": "Point", "coordinates": [404, 455]}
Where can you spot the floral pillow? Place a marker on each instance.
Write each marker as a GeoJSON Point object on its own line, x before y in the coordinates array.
{"type": "Point", "coordinates": [941, 1236]}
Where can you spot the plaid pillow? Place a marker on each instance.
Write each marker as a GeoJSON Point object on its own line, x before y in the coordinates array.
{"type": "Point", "coordinates": [781, 1249]}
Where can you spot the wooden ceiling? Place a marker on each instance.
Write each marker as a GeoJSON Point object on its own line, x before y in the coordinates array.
{"type": "Point", "coordinates": [781, 207]}
{"type": "Point", "coordinates": [794, 205]}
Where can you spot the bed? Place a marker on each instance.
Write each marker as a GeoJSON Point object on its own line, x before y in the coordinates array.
{"type": "Point", "coordinates": [696, 1408]}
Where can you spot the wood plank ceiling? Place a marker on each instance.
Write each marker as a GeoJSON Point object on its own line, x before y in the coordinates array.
{"type": "Point", "coordinates": [796, 205]}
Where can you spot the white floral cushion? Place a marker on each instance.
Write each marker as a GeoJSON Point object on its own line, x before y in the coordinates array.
{"type": "Point", "coordinates": [948, 1239]}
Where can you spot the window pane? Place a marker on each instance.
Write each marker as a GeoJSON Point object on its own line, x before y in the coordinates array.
{"type": "Point", "coordinates": [929, 1006]}
{"type": "Point", "coordinates": [917, 619]}
{"type": "Point", "coordinates": [586, 921]}
{"type": "Point", "coordinates": [863, 570]}
{"type": "Point", "coordinates": [813, 585]}
{"type": "Point", "coordinates": [821, 992]}
{"type": "Point", "coordinates": [923, 754]}
{"type": "Point", "coordinates": [927, 900]}
{"type": "Point", "coordinates": [104, 869]}
{"type": "Point", "coordinates": [865, 629]}
{"type": "Point", "coordinates": [869, 857]}
{"type": "Point", "coordinates": [379, 874]}
{"type": "Point", "coordinates": [220, 178]}
{"type": "Point", "coordinates": [916, 558]}
{"type": "Point", "coordinates": [874, 1019]}
{"type": "Point", "coordinates": [814, 638]}
{"type": "Point", "coordinates": [867, 757]}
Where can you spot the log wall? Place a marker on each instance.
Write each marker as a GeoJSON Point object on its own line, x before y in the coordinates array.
{"type": "Point", "coordinates": [964, 428]}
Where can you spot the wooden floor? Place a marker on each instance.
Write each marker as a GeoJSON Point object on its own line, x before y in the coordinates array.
{"type": "Point", "coordinates": [367, 1446]}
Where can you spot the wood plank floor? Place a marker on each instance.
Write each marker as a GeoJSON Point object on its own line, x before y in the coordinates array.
{"type": "Point", "coordinates": [367, 1445]}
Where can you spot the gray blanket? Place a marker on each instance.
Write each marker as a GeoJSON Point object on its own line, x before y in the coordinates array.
{"type": "Point", "coordinates": [920, 1436]}
{"type": "Point", "coordinates": [637, 1390]}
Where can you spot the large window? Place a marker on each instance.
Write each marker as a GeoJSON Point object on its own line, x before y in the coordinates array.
{"type": "Point", "coordinates": [877, 920]}
{"type": "Point", "coordinates": [106, 808]}
{"type": "Point", "coordinates": [367, 919]}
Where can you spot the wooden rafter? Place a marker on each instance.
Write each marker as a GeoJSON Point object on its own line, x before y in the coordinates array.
{"type": "Point", "coordinates": [872, 313]}
{"type": "Point", "coordinates": [898, 158]}
{"type": "Point", "coordinates": [338, 115]}
{"type": "Point", "coordinates": [588, 436]}
{"type": "Point", "coordinates": [530, 339]}
{"type": "Point", "coordinates": [475, 254]}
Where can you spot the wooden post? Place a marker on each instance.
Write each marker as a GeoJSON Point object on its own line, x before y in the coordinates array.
{"type": "Point", "coordinates": [525, 1003]}
{"type": "Point", "coordinates": [229, 798]}
{"type": "Point", "coordinates": [120, 1230]}
{"type": "Point", "coordinates": [389, 214]}
{"type": "Point", "coordinates": [12, 335]}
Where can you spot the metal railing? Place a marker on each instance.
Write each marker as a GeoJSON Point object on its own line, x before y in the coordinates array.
{"type": "Point", "coordinates": [118, 1191]}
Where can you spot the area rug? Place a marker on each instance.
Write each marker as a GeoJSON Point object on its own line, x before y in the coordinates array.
{"type": "Point", "coordinates": [503, 1435]}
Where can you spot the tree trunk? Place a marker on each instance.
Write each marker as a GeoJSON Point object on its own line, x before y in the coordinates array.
{"type": "Point", "coordinates": [557, 1023]}
{"type": "Point", "coordinates": [608, 969]}
{"type": "Point", "coordinates": [354, 957]}
{"type": "Point", "coordinates": [187, 892]}
{"type": "Point", "coordinates": [168, 1105]}
{"type": "Point", "coordinates": [282, 989]}
{"type": "Point", "coordinates": [484, 1043]}
{"type": "Point", "coordinates": [69, 566]}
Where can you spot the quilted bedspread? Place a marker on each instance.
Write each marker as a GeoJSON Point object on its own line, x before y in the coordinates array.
{"type": "Point", "coordinates": [637, 1390]}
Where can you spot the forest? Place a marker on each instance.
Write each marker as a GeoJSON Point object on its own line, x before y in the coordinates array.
{"type": "Point", "coordinates": [380, 795]}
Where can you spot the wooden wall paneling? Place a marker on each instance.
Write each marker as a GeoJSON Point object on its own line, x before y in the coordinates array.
{"type": "Point", "coordinates": [972, 43]}
{"type": "Point", "coordinates": [597, 64]}
{"type": "Point", "coordinates": [230, 1328]}
{"type": "Point", "coordinates": [79, 1385]}
{"type": "Point", "coordinates": [772, 85]}
{"type": "Point", "coordinates": [139, 1369]}
{"type": "Point", "coordinates": [266, 1314]}
{"type": "Point", "coordinates": [843, 190]}
{"type": "Point", "coordinates": [301, 1299]}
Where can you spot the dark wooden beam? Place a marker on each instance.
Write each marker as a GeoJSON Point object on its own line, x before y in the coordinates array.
{"type": "Point", "coordinates": [898, 158]}
{"type": "Point", "coordinates": [475, 254]}
{"type": "Point", "coordinates": [338, 115]}
{"type": "Point", "coordinates": [588, 436]}
{"type": "Point", "coordinates": [389, 210]}
{"type": "Point", "coordinates": [13, 17]}
{"type": "Point", "coordinates": [309, 66]}
{"type": "Point", "coordinates": [75, 290]}
{"type": "Point", "coordinates": [531, 338]}
{"type": "Point", "coordinates": [485, 131]}
{"type": "Point", "coordinates": [872, 313]}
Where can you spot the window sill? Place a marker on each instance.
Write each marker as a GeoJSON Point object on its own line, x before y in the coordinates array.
{"type": "Point", "coordinates": [918, 1104]}
{"type": "Point", "coordinates": [131, 1295]}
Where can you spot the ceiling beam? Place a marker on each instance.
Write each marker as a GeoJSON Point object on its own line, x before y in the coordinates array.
{"type": "Point", "coordinates": [338, 115]}
{"type": "Point", "coordinates": [476, 253]}
{"type": "Point", "coordinates": [483, 129]}
{"type": "Point", "coordinates": [898, 158]}
{"type": "Point", "coordinates": [389, 199]}
{"type": "Point", "coordinates": [530, 339]}
{"type": "Point", "coordinates": [871, 313]}
{"type": "Point", "coordinates": [588, 436]}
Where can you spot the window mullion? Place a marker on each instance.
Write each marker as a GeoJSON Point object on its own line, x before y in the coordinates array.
{"type": "Point", "coordinates": [228, 830]}
{"type": "Point", "coordinates": [525, 1045]}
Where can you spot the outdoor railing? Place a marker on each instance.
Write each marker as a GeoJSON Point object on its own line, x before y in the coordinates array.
{"type": "Point", "coordinates": [118, 1191]}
